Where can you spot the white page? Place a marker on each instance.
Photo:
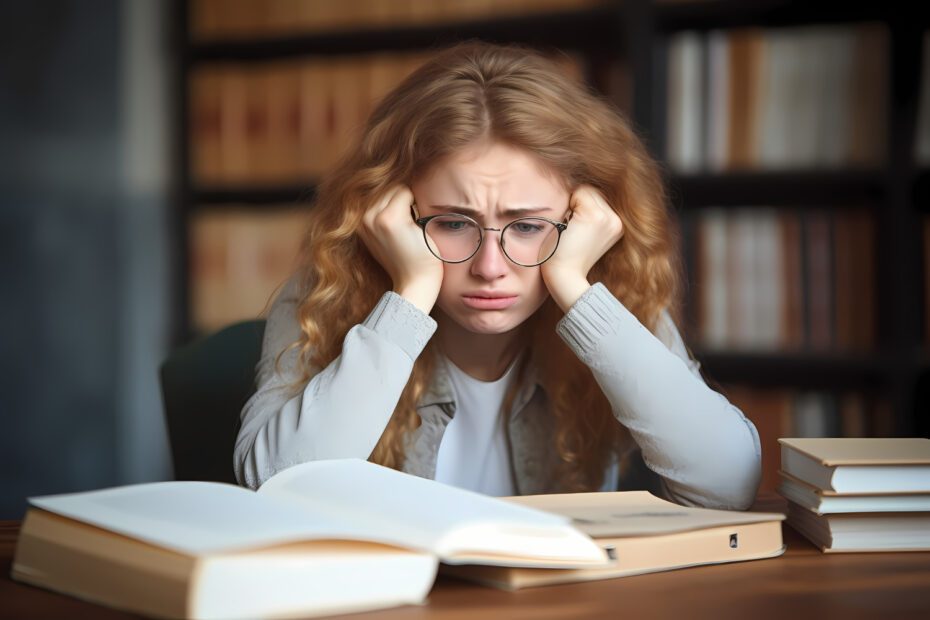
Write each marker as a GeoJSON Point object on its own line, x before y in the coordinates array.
{"type": "Point", "coordinates": [196, 517]}
{"type": "Point", "coordinates": [637, 513]}
{"type": "Point", "coordinates": [402, 508]}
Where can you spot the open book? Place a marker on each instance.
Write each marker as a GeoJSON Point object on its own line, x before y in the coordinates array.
{"type": "Point", "coordinates": [318, 538]}
{"type": "Point", "coordinates": [645, 534]}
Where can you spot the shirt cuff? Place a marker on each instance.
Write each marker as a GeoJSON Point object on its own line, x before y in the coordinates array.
{"type": "Point", "coordinates": [595, 315]}
{"type": "Point", "coordinates": [401, 322]}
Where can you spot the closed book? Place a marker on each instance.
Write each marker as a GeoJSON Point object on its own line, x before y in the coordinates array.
{"type": "Point", "coordinates": [318, 538]}
{"type": "Point", "coordinates": [862, 532]}
{"type": "Point", "coordinates": [644, 534]}
{"type": "Point", "coordinates": [859, 464]}
{"type": "Point", "coordinates": [830, 502]}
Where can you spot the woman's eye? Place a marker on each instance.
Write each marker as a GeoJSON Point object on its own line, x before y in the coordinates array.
{"type": "Point", "coordinates": [453, 225]}
{"type": "Point", "coordinates": [525, 228]}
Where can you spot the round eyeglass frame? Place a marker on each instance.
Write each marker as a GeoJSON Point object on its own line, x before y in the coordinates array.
{"type": "Point", "coordinates": [423, 221]}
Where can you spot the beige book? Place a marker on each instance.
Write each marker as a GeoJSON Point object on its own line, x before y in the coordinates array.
{"type": "Point", "coordinates": [827, 502]}
{"type": "Point", "coordinates": [208, 268]}
{"type": "Point", "coordinates": [234, 121]}
{"type": "Point", "coordinates": [284, 109]}
{"type": "Point", "coordinates": [317, 538]}
{"type": "Point", "coordinates": [315, 117]}
{"type": "Point", "coordinates": [644, 534]}
{"type": "Point", "coordinates": [259, 146]}
{"type": "Point", "coordinates": [859, 464]}
{"type": "Point", "coordinates": [204, 110]}
{"type": "Point", "coordinates": [349, 99]}
{"type": "Point", "coordinates": [862, 532]}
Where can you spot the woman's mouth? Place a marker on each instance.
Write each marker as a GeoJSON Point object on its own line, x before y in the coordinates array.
{"type": "Point", "coordinates": [480, 302]}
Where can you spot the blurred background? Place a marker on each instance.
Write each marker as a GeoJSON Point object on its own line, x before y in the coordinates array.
{"type": "Point", "coordinates": [159, 158]}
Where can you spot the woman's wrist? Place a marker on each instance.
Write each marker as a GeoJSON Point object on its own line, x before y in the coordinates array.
{"type": "Point", "coordinates": [420, 294]}
{"type": "Point", "coordinates": [566, 288]}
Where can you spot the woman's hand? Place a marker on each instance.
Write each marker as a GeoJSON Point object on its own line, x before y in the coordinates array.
{"type": "Point", "coordinates": [593, 229]}
{"type": "Point", "coordinates": [396, 242]}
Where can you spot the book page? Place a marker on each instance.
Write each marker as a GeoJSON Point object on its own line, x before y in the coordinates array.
{"type": "Point", "coordinates": [635, 513]}
{"type": "Point", "coordinates": [401, 508]}
{"type": "Point", "coordinates": [196, 517]}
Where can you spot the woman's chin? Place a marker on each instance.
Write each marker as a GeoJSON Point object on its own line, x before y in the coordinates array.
{"type": "Point", "coordinates": [489, 325]}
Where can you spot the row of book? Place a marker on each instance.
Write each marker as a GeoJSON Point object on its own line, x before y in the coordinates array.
{"type": "Point", "coordinates": [290, 121]}
{"type": "Point", "coordinates": [855, 495]}
{"type": "Point", "coordinates": [249, 19]}
{"type": "Point", "coordinates": [755, 98]}
{"type": "Point", "coordinates": [790, 412]}
{"type": "Point", "coordinates": [239, 257]}
{"type": "Point", "coordinates": [783, 279]}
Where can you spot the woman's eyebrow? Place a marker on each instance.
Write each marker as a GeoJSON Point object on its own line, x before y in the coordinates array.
{"type": "Point", "coordinates": [475, 213]}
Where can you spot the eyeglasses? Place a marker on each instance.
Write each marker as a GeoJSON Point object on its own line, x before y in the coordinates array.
{"type": "Point", "coordinates": [455, 238]}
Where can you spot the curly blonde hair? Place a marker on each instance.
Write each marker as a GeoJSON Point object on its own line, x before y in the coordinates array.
{"type": "Point", "coordinates": [467, 93]}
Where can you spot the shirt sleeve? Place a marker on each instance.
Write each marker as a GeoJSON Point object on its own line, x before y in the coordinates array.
{"type": "Point", "coordinates": [705, 450]}
{"type": "Point", "coordinates": [344, 408]}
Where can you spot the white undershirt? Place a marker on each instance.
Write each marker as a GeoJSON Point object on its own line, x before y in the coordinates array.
{"type": "Point", "coordinates": [473, 453]}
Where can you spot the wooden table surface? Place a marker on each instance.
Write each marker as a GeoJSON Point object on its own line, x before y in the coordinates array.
{"type": "Point", "coordinates": [803, 583]}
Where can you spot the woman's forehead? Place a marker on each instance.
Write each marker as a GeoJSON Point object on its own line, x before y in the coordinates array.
{"type": "Point", "coordinates": [502, 181]}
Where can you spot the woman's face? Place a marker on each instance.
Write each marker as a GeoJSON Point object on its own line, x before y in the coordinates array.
{"type": "Point", "coordinates": [494, 184]}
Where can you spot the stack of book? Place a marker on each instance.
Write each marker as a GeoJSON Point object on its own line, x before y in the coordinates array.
{"type": "Point", "coordinates": [858, 494]}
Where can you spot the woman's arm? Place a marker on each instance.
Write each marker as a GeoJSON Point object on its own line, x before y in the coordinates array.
{"type": "Point", "coordinates": [706, 451]}
{"type": "Point", "coordinates": [344, 408]}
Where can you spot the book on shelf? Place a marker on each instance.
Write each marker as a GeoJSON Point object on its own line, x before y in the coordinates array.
{"type": "Point", "coordinates": [777, 98]}
{"type": "Point", "coordinates": [645, 533]}
{"type": "Point", "coordinates": [823, 502]}
{"type": "Point", "coordinates": [859, 464]}
{"type": "Point", "coordinates": [790, 279]}
{"type": "Point", "coordinates": [318, 538]}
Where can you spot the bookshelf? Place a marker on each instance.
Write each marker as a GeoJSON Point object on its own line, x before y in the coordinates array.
{"type": "Point", "coordinates": [625, 51]}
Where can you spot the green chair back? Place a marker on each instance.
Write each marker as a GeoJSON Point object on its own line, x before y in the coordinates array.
{"type": "Point", "coordinates": [204, 386]}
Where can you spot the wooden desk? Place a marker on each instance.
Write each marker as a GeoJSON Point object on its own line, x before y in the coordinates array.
{"type": "Point", "coordinates": [803, 583]}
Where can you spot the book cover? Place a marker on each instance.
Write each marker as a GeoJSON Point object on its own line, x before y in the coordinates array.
{"type": "Point", "coordinates": [645, 534]}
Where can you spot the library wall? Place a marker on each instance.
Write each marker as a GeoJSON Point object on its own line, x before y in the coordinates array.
{"type": "Point", "coordinates": [776, 140]}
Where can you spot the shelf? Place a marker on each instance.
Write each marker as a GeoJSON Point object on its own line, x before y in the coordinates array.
{"type": "Point", "coordinates": [719, 14]}
{"type": "Point", "coordinates": [800, 371]}
{"type": "Point", "coordinates": [799, 188]}
{"type": "Point", "coordinates": [206, 197]}
{"type": "Point", "coordinates": [592, 29]}
{"type": "Point", "coordinates": [816, 189]}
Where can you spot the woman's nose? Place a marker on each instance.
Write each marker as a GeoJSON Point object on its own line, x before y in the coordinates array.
{"type": "Point", "coordinates": [490, 262]}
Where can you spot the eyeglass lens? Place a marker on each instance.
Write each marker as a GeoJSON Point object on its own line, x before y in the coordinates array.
{"type": "Point", "coordinates": [527, 241]}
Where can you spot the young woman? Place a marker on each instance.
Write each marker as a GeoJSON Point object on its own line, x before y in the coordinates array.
{"type": "Point", "coordinates": [486, 297]}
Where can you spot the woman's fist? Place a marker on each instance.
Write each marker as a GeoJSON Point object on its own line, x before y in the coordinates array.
{"type": "Point", "coordinates": [397, 243]}
{"type": "Point", "coordinates": [594, 227]}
